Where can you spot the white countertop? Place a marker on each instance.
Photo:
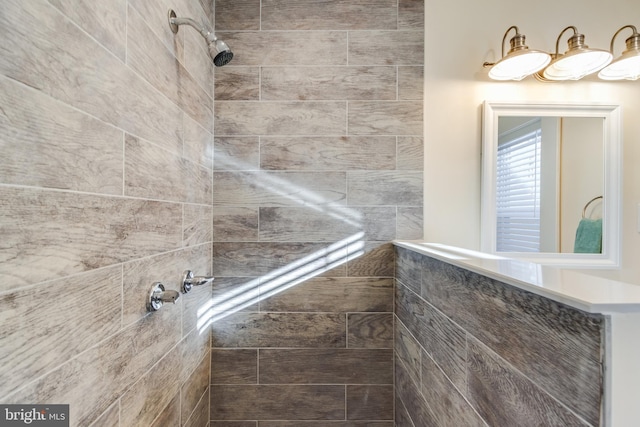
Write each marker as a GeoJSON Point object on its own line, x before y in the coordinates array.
{"type": "Point", "coordinates": [578, 289]}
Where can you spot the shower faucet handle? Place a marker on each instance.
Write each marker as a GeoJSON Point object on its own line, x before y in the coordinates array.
{"type": "Point", "coordinates": [158, 296]}
{"type": "Point", "coordinates": [189, 280]}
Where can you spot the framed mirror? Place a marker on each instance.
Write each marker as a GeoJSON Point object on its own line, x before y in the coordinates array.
{"type": "Point", "coordinates": [551, 183]}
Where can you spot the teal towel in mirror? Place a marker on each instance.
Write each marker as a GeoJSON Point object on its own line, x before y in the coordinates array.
{"type": "Point", "coordinates": [588, 237]}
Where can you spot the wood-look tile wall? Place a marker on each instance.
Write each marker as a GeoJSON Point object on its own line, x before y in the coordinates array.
{"type": "Point", "coordinates": [472, 351]}
{"type": "Point", "coordinates": [318, 165]}
{"type": "Point", "coordinates": [106, 182]}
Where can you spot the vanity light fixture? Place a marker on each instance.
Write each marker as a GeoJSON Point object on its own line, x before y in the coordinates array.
{"type": "Point", "coordinates": [579, 61]}
{"type": "Point", "coordinates": [519, 62]}
{"type": "Point", "coordinates": [627, 66]}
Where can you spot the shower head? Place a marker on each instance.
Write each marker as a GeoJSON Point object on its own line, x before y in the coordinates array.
{"type": "Point", "coordinates": [220, 53]}
{"type": "Point", "coordinates": [218, 50]}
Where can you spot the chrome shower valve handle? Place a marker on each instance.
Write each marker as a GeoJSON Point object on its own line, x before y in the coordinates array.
{"type": "Point", "coordinates": [158, 296]}
{"type": "Point", "coordinates": [189, 281]}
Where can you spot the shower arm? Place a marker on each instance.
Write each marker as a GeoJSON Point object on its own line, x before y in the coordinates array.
{"type": "Point", "coordinates": [219, 51]}
{"type": "Point", "coordinates": [203, 30]}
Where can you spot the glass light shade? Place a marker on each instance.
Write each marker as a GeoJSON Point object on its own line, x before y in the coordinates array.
{"type": "Point", "coordinates": [578, 61]}
{"type": "Point", "coordinates": [574, 65]}
{"type": "Point", "coordinates": [519, 64]}
{"type": "Point", "coordinates": [627, 66]}
{"type": "Point", "coordinates": [622, 69]}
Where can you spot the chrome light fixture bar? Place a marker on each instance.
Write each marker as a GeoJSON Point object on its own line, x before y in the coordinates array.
{"type": "Point", "coordinates": [577, 62]}
{"type": "Point", "coordinates": [519, 62]}
{"type": "Point", "coordinates": [627, 66]}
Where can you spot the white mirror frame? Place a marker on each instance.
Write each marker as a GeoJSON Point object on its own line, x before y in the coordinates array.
{"type": "Point", "coordinates": [610, 256]}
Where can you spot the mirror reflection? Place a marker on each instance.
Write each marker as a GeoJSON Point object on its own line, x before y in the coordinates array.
{"type": "Point", "coordinates": [549, 184]}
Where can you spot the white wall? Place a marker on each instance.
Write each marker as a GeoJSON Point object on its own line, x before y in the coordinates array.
{"type": "Point", "coordinates": [582, 172]}
{"type": "Point", "coordinates": [550, 185]}
{"type": "Point", "coordinates": [460, 36]}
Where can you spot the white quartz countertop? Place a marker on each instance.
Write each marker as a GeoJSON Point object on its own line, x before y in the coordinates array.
{"type": "Point", "coordinates": [590, 293]}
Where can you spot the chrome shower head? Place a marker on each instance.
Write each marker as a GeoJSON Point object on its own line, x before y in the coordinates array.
{"type": "Point", "coordinates": [220, 53]}
{"type": "Point", "coordinates": [218, 50]}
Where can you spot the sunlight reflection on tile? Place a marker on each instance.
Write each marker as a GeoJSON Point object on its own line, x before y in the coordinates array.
{"type": "Point", "coordinates": [280, 280]}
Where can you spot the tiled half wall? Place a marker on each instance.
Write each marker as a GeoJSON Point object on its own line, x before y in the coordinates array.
{"type": "Point", "coordinates": [472, 351]}
{"type": "Point", "coordinates": [318, 165]}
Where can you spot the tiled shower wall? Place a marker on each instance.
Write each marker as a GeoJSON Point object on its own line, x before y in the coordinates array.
{"type": "Point", "coordinates": [106, 166]}
{"type": "Point", "coordinates": [318, 165]}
